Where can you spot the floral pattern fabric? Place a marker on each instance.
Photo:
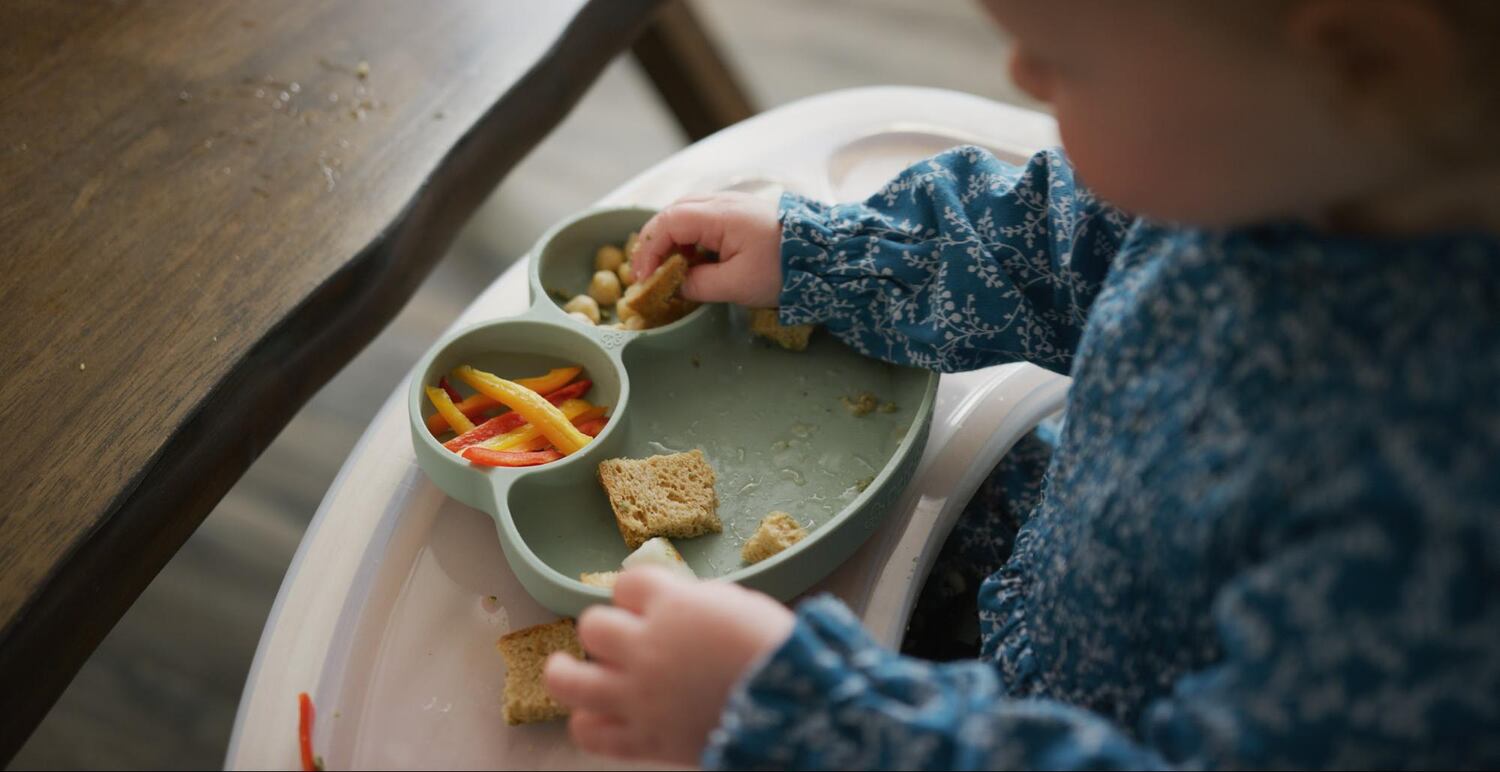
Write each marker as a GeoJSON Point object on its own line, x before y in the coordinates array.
{"type": "Point", "coordinates": [1269, 535]}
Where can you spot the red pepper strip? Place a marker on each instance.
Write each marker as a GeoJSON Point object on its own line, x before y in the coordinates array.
{"type": "Point", "coordinates": [506, 422]}
{"type": "Point", "coordinates": [452, 392]}
{"type": "Point", "coordinates": [593, 426]}
{"type": "Point", "coordinates": [304, 732]}
{"type": "Point", "coordinates": [487, 457]}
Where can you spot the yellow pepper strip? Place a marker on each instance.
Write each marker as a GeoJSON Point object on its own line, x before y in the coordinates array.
{"type": "Point", "coordinates": [552, 381]}
{"type": "Point", "coordinates": [531, 406]}
{"type": "Point", "coordinates": [474, 405]}
{"type": "Point", "coordinates": [450, 413]}
{"type": "Point", "coordinates": [521, 438]}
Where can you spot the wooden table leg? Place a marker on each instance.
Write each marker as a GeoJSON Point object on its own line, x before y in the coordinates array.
{"type": "Point", "coordinates": [689, 72]}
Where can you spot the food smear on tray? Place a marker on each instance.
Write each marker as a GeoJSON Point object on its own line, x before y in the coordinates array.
{"type": "Point", "coordinates": [616, 300]}
{"type": "Point", "coordinates": [515, 423]}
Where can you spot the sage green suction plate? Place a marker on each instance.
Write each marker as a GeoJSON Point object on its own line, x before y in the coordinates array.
{"type": "Point", "coordinates": [771, 422]}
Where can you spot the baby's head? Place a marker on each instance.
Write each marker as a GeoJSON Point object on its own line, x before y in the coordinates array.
{"type": "Point", "coordinates": [1223, 112]}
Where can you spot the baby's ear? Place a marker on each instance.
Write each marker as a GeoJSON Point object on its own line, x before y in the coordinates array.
{"type": "Point", "coordinates": [1380, 53]}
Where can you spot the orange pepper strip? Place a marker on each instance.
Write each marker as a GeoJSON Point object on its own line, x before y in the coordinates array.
{"type": "Point", "coordinates": [573, 410]}
{"type": "Point", "coordinates": [449, 411]}
{"type": "Point", "coordinates": [475, 405]}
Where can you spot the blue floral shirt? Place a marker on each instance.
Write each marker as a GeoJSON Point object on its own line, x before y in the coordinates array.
{"type": "Point", "coordinates": [1270, 535]}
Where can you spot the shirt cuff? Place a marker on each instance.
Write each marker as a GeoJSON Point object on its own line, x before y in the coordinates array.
{"type": "Point", "coordinates": [807, 234]}
{"type": "Point", "coordinates": [811, 671]}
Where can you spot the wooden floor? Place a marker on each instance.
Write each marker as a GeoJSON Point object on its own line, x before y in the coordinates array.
{"type": "Point", "coordinates": [162, 690]}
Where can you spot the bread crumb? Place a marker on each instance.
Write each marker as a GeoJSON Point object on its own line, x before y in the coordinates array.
{"type": "Point", "coordinates": [777, 531]}
{"type": "Point", "coordinates": [862, 404]}
{"type": "Point", "coordinates": [605, 579]}
{"type": "Point", "coordinates": [764, 322]}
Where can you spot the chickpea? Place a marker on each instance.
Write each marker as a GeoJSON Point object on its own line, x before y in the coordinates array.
{"type": "Point", "coordinates": [608, 258]}
{"type": "Point", "coordinates": [626, 274]}
{"type": "Point", "coordinates": [583, 304]}
{"type": "Point", "coordinates": [581, 317]}
{"type": "Point", "coordinates": [630, 242]}
{"type": "Point", "coordinates": [636, 323]}
{"type": "Point", "coordinates": [605, 288]}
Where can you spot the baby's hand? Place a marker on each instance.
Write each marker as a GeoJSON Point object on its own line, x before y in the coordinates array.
{"type": "Point", "coordinates": [742, 228]}
{"type": "Point", "coordinates": [662, 662]}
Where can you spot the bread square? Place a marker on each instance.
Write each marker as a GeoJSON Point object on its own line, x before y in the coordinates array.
{"type": "Point", "coordinates": [671, 495]}
{"type": "Point", "coordinates": [657, 300]}
{"type": "Point", "coordinates": [525, 652]}
{"type": "Point", "coordinates": [777, 531]}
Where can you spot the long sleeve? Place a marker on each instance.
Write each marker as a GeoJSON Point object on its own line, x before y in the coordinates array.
{"type": "Point", "coordinates": [961, 262]}
{"type": "Point", "coordinates": [1364, 641]}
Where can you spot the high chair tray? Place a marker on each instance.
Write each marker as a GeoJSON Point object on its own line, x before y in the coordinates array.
{"type": "Point", "coordinates": [390, 611]}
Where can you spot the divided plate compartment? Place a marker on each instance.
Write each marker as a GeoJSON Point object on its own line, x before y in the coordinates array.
{"type": "Point", "coordinates": [772, 423]}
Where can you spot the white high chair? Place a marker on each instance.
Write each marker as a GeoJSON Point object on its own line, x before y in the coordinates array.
{"type": "Point", "coordinates": [389, 612]}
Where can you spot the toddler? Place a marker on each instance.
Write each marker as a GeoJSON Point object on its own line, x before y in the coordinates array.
{"type": "Point", "coordinates": [1270, 533]}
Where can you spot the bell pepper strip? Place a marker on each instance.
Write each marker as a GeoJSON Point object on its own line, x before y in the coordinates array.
{"type": "Point", "coordinates": [448, 387]}
{"type": "Point", "coordinates": [473, 407]}
{"type": "Point", "coordinates": [592, 426]}
{"type": "Point", "coordinates": [449, 411]}
{"type": "Point", "coordinates": [572, 410]}
{"type": "Point", "coordinates": [538, 442]}
{"type": "Point", "coordinates": [310, 763]}
{"type": "Point", "coordinates": [552, 381]}
{"type": "Point", "coordinates": [487, 457]}
{"type": "Point", "coordinates": [532, 407]}
{"type": "Point", "coordinates": [508, 422]}
{"type": "Point", "coordinates": [476, 405]}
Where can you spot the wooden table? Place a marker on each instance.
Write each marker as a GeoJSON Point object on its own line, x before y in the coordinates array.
{"type": "Point", "coordinates": [208, 208]}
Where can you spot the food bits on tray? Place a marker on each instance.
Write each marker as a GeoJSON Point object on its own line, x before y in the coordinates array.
{"type": "Point", "coordinates": [777, 531]}
{"type": "Point", "coordinates": [764, 322]}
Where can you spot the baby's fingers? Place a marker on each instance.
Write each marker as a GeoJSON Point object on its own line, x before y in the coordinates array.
{"type": "Point", "coordinates": [685, 223]}
{"type": "Point", "coordinates": [609, 634]}
{"type": "Point", "coordinates": [603, 735]}
{"type": "Point", "coordinates": [585, 686]}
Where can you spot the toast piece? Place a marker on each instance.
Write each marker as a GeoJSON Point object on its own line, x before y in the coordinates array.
{"type": "Point", "coordinates": [777, 531]}
{"type": "Point", "coordinates": [605, 579]}
{"type": "Point", "coordinates": [657, 301]}
{"type": "Point", "coordinates": [764, 322]}
{"type": "Point", "coordinates": [525, 652]}
{"type": "Point", "coordinates": [670, 496]}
